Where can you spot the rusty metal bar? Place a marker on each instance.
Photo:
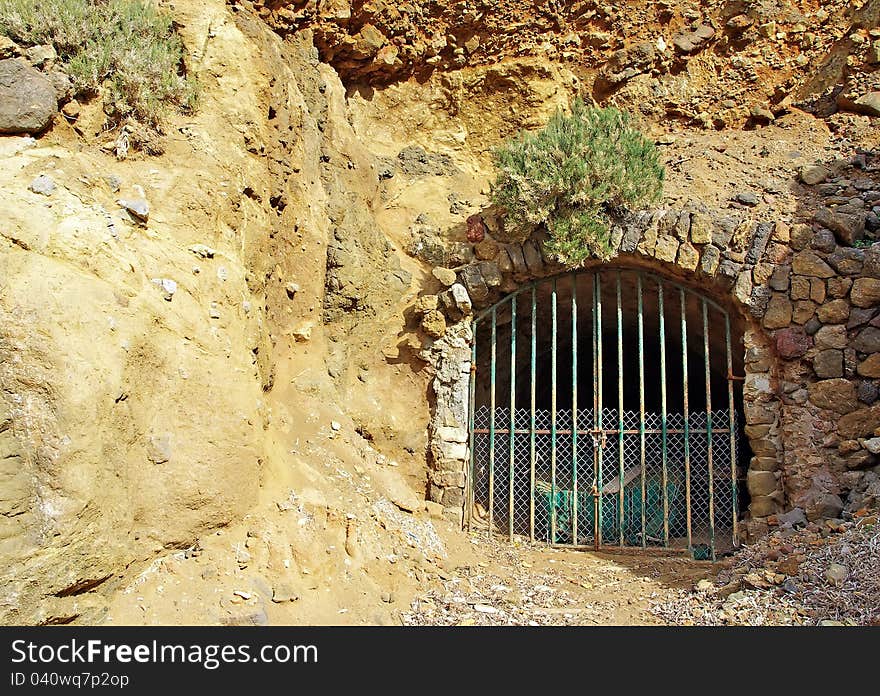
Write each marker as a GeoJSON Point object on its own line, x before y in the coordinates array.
{"type": "Point", "coordinates": [707, 358]}
{"type": "Point", "coordinates": [663, 422]}
{"type": "Point", "coordinates": [599, 444]}
{"type": "Point", "coordinates": [574, 413]}
{"type": "Point", "coordinates": [620, 424]}
{"type": "Point", "coordinates": [642, 457]}
{"type": "Point", "coordinates": [685, 413]}
{"type": "Point", "coordinates": [606, 431]}
{"type": "Point", "coordinates": [553, 415]}
{"type": "Point", "coordinates": [511, 462]}
{"type": "Point", "coordinates": [532, 420]}
{"type": "Point", "coordinates": [472, 392]}
{"type": "Point", "coordinates": [492, 423]}
{"type": "Point", "coordinates": [628, 550]}
{"type": "Point", "coordinates": [731, 429]}
{"type": "Point", "coordinates": [595, 357]}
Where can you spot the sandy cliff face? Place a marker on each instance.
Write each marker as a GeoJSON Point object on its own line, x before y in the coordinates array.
{"type": "Point", "coordinates": [160, 378]}
{"type": "Point", "coordinates": [132, 402]}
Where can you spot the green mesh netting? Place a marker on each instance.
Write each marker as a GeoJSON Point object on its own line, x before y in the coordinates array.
{"type": "Point", "coordinates": [562, 502]}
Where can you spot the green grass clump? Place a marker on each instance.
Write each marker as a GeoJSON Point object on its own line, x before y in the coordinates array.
{"type": "Point", "coordinates": [128, 48]}
{"type": "Point", "coordinates": [571, 174]}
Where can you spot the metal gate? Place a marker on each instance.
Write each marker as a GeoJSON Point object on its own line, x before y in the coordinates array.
{"type": "Point", "coordinates": [636, 451]}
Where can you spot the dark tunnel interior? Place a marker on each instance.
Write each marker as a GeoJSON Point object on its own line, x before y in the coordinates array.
{"type": "Point", "coordinates": [619, 364]}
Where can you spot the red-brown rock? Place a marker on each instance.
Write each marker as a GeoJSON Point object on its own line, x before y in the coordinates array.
{"type": "Point", "coordinates": [476, 229]}
{"type": "Point", "coordinates": [792, 342]}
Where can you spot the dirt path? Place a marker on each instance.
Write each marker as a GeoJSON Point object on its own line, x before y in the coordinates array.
{"type": "Point", "coordinates": [498, 583]}
{"type": "Point", "coordinates": [227, 579]}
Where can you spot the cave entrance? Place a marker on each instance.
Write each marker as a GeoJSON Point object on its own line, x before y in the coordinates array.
{"type": "Point", "coordinates": [605, 411]}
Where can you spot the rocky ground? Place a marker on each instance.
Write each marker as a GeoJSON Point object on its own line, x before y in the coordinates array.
{"type": "Point", "coordinates": [826, 574]}
{"type": "Point", "coordinates": [520, 584]}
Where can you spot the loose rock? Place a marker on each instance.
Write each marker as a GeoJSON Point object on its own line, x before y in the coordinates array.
{"type": "Point", "coordinates": [27, 98]}
{"type": "Point", "coordinates": [43, 184]}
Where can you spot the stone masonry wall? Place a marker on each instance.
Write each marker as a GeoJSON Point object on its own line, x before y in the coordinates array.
{"type": "Point", "coordinates": [811, 344]}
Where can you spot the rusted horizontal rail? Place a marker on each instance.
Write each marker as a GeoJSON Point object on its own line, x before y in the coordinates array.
{"type": "Point", "coordinates": [647, 431]}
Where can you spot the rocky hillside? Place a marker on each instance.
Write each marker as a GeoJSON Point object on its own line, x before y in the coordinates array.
{"type": "Point", "coordinates": [709, 63]}
{"type": "Point", "coordinates": [212, 374]}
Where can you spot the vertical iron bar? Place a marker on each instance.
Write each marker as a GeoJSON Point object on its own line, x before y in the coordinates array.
{"type": "Point", "coordinates": [472, 389]}
{"type": "Point", "coordinates": [731, 425]}
{"type": "Point", "coordinates": [687, 434]}
{"type": "Point", "coordinates": [510, 468]}
{"type": "Point", "coordinates": [532, 421]}
{"type": "Point", "coordinates": [553, 416]}
{"type": "Point", "coordinates": [620, 426]}
{"type": "Point", "coordinates": [595, 357]}
{"type": "Point", "coordinates": [574, 413]}
{"type": "Point", "coordinates": [492, 425]}
{"type": "Point", "coordinates": [642, 403]}
{"type": "Point", "coordinates": [663, 424]}
{"type": "Point", "coordinates": [599, 423]}
{"type": "Point", "coordinates": [707, 357]}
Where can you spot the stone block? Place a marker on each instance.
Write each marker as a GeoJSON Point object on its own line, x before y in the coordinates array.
{"type": "Point", "coordinates": [434, 323]}
{"type": "Point", "coordinates": [802, 311]}
{"type": "Point", "coordinates": [870, 366]}
{"type": "Point", "coordinates": [817, 290]}
{"type": "Point", "coordinates": [833, 312]}
{"type": "Point", "coordinates": [838, 287]}
{"type": "Point", "coordinates": [666, 248]}
{"type": "Point", "coordinates": [778, 314]}
{"type": "Point", "coordinates": [709, 261]}
{"type": "Point", "coordinates": [865, 292]}
{"type": "Point", "coordinates": [532, 257]}
{"type": "Point", "coordinates": [491, 273]}
{"type": "Point", "coordinates": [763, 506]}
{"type": "Point", "coordinates": [701, 228]}
{"type": "Point", "coordinates": [742, 288]}
{"type": "Point", "coordinates": [860, 423]}
{"type": "Point", "coordinates": [450, 434]}
{"type": "Point", "coordinates": [757, 412]}
{"type": "Point", "coordinates": [868, 340]}
{"type": "Point", "coordinates": [517, 259]}
{"type": "Point", "coordinates": [457, 451]}
{"type": "Point", "coordinates": [688, 257]}
{"type": "Point", "coordinates": [792, 342]}
{"type": "Point", "coordinates": [828, 364]}
{"type": "Point", "coordinates": [764, 463]}
{"type": "Point", "coordinates": [761, 483]}
{"type": "Point", "coordinates": [847, 261]}
{"type": "Point", "coordinates": [831, 336]}
{"type": "Point", "coordinates": [759, 241]}
{"type": "Point", "coordinates": [838, 395]}
{"type": "Point", "coordinates": [473, 281]}
{"type": "Point", "coordinates": [809, 263]}
{"type": "Point", "coordinates": [800, 288]}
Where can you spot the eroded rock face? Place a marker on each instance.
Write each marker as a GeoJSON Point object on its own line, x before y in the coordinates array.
{"type": "Point", "coordinates": [635, 53]}
{"type": "Point", "coordinates": [132, 412]}
{"type": "Point", "coordinates": [120, 416]}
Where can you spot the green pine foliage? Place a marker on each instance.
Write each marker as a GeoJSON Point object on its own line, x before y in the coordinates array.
{"type": "Point", "coordinates": [571, 174]}
{"type": "Point", "coordinates": [125, 47]}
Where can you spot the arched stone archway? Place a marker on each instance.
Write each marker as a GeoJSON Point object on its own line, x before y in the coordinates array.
{"type": "Point", "coordinates": [807, 346]}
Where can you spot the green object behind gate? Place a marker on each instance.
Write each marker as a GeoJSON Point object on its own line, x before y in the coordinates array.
{"type": "Point", "coordinates": [563, 503]}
